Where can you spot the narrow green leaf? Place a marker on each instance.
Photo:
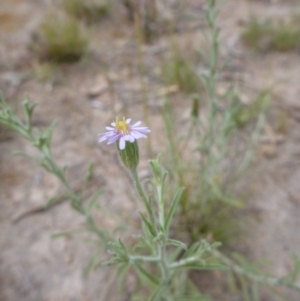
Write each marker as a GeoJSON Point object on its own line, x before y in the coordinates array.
{"type": "Point", "coordinates": [193, 298]}
{"type": "Point", "coordinates": [255, 291]}
{"type": "Point", "coordinates": [49, 133]}
{"type": "Point", "coordinates": [174, 255]}
{"type": "Point", "coordinates": [51, 201]}
{"type": "Point", "coordinates": [156, 294]}
{"type": "Point", "coordinates": [144, 244]}
{"type": "Point", "coordinates": [164, 177]}
{"type": "Point", "coordinates": [216, 245]}
{"type": "Point", "coordinates": [146, 274]}
{"type": "Point", "coordinates": [121, 244]}
{"type": "Point", "coordinates": [245, 289]}
{"type": "Point", "coordinates": [107, 262]}
{"type": "Point", "coordinates": [231, 282]}
{"type": "Point", "coordinates": [89, 172]}
{"type": "Point", "coordinates": [147, 224]}
{"type": "Point", "coordinates": [23, 154]}
{"type": "Point", "coordinates": [174, 204]}
{"type": "Point", "coordinates": [121, 251]}
{"type": "Point", "coordinates": [160, 237]}
{"type": "Point", "coordinates": [177, 243]}
{"type": "Point", "coordinates": [193, 248]}
{"type": "Point", "coordinates": [121, 274]}
{"type": "Point", "coordinates": [122, 269]}
{"type": "Point", "coordinates": [90, 264]}
{"type": "Point", "coordinates": [201, 266]}
{"type": "Point", "coordinates": [225, 198]}
{"type": "Point", "coordinates": [93, 200]}
{"type": "Point", "coordinates": [67, 233]}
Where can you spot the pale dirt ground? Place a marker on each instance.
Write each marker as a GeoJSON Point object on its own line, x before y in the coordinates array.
{"type": "Point", "coordinates": [33, 266]}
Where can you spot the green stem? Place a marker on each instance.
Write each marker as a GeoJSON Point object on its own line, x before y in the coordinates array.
{"type": "Point", "coordinates": [183, 262]}
{"type": "Point", "coordinates": [165, 273]}
{"type": "Point", "coordinates": [161, 257]}
{"type": "Point", "coordinates": [209, 139]}
{"type": "Point", "coordinates": [141, 194]}
{"type": "Point", "coordinates": [139, 35]}
{"type": "Point", "coordinates": [174, 156]}
{"type": "Point", "coordinates": [251, 275]}
{"type": "Point", "coordinates": [144, 258]}
{"type": "Point", "coordinates": [161, 210]}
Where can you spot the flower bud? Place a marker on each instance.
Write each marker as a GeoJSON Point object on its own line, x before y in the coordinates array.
{"type": "Point", "coordinates": [130, 154]}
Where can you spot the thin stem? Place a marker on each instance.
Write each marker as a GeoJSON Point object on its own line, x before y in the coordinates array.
{"type": "Point", "coordinates": [161, 257]}
{"type": "Point", "coordinates": [253, 276]}
{"type": "Point", "coordinates": [164, 268]}
{"type": "Point", "coordinates": [183, 262]}
{"type": "Point", "coordinates": [139, 35]}
{"type": "Point", "coordinates": [141, 194]}
{"type": "Point", "coordinates": [161, 210]}
{"type": "Point", "coordinates": [174, 155]}
{"type": "Point", "coordinates": [210, 85]}
{"type": "Point", "coordinates": [134, 258]}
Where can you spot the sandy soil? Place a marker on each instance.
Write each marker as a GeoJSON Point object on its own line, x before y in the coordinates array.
{"type": "Point", "coordinates": [35, 267]}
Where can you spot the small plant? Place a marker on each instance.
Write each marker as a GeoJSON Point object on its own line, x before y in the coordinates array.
{"type": "Point", "coordinates": [87, 10]}
{"type": "Point", "coordinates": [286, 37]}
{"type": "Point", "coordinates": [159, 260]}
{"type": "Point", "coordinates": [245, 113]}
{"type": "Point", "coordinates": [61, 40]}
{"type": "Point", "coordinates": [196, 197]}
{"type": "Point", "coordinates": [149, 21]}
{"type": "Point", "coordinates": [272, 35]}
{"type": "Point", "coordinates": [258, 34]}
{"type": "Point", "coordinates": [206, 170]}
{"type": "Point", "coordinates": [177, 70]}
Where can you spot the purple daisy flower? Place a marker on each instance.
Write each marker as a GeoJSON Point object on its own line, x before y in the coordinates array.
{"type": "Point", "coordinates": [122, 130]}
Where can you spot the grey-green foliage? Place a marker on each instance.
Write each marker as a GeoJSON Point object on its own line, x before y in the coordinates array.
{"type": "Point", "coordinates": [41, 140]}
{"type": "Point", "coordinates": [154, 242]}
{"type": "Point", "coordinates": [158, 259]}
{"type": "Point", "coordinates": [207, 170]}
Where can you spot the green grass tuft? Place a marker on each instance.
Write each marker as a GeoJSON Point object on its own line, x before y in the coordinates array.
{"type": "Point", "coordinates": [272, 35]}
{"type": "Point", "coordinates": [176, 70]}
{"type": "Point", "coordinates": [62, 40]}
{"type": "Point", "coordinates": [258, 34]}
{"type": "Point", "coordinates": [243, 114]}
{"type": "Point", "coordinates": [286, 37]}
{"type": "Point", "coordinates": [87, 10]}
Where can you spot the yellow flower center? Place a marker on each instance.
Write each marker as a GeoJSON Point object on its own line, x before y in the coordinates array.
{"type": "Point", "coordinates": [122, 126]}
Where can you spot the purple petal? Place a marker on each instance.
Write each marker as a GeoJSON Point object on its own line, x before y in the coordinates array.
{"type": "Point", "coordinates": [137, 123]}
{"type": "Point", "coordinates": [112, 140]}
{"type": "Point", "coordinates": [108, 134]}
{"type": "Point", "coordinates": [128, 120]}
{"type": "Point", "coordinates": [142, 130]}
{"type": "Point", "coordinates": [122, 143]}
{"type": "Point", "coordinates": [102, 139]}
{"type": "Point", "coordinates": [110, 128]}
{"type": "Point", "coordinates": [113, 124]}
{"type": "Point", "coordinates": [137, 135]}
{"type": "Point", "coordinates": [130, 138]}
